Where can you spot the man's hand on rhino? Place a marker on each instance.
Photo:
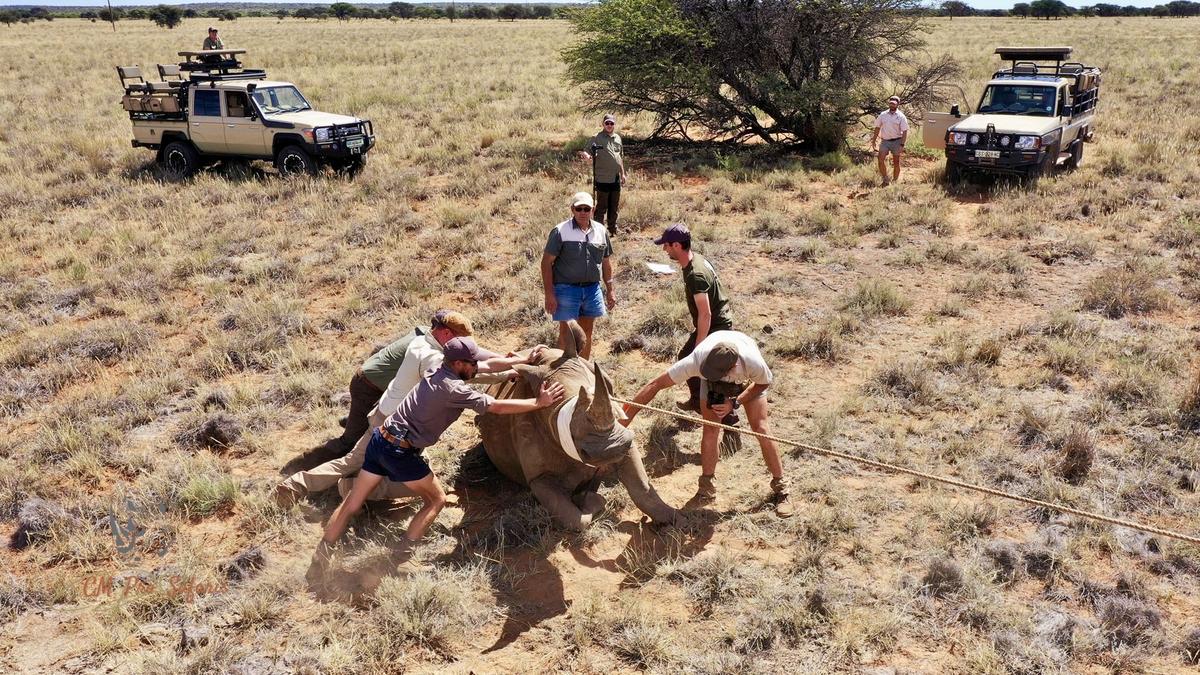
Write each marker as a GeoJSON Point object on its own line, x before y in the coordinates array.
{"type": "Point", "coordinates": [549, 394]}
{"type": "Point", "coordinates": [535, 354]}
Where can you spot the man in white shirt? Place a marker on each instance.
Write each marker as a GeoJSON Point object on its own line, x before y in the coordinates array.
{"type": "Point", "coordinates": [725, 361]}
{"type": "Point", "coordinates": [892, 128]}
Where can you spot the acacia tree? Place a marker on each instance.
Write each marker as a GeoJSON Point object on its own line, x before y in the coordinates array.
{"type": "Point", "coordinates": [786, 72]}
{"type": "Point", "coordinates": [166, 16]}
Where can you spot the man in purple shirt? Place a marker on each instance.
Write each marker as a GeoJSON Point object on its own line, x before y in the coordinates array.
{"type": "Point", "coordinates": [394, 451]}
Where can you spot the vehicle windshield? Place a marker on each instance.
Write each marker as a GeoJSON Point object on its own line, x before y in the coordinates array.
{"type": "Point", "coordinates": [1018, 99]}
{"type": "Point", "coordinates": [280, 100]}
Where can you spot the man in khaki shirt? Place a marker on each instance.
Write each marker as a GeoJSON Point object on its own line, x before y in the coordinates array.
{"type": "Point", "coordinates": [892, 127]}
{"type": "Point", "coordinates": [608, 173]}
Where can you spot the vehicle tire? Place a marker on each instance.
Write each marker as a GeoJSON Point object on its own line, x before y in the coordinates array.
{"type": "Point", "coordinates": [293, 161]}
{"type": "Point", "coordinates": [179, 159]}
{"type": "Point", "coordinates": [954, 173]}
{"type": "Point", "coordinates": [1041, 169]}
{"type": "Point", "coordinates": [1076, 159]}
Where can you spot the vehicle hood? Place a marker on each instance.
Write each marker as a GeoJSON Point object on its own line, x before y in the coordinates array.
{"type": "Point", "coordinates": [1008, 124]}
{"type": "Point", "coordinates": [312, 118]}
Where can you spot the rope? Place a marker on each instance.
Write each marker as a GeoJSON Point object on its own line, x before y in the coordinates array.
{"type": "Point", "coordinates": [894, 468]}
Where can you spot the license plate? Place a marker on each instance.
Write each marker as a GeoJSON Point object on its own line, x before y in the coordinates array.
{"type": "Point", "coordinates": [358, 143]}
{"type": "Point", "coordinates": [988, 154]}
{"type": "Point", "coordinates": [356, 151]}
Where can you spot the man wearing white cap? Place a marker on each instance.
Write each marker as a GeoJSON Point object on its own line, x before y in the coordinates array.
{"type": "Point", "coordinates": [732, 375]}
{"type": "Point", "coordinates": [892, 128]}
{"type": "Point", "coordinates": [574, 262]}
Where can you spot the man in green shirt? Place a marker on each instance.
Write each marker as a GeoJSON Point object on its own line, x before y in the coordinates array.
{"type": "Point", "coordinates": [212, 41]}
{"type": "Point", "coordinates": [706, 299]}
{"type": "Point", "coordinates": [608, 173]}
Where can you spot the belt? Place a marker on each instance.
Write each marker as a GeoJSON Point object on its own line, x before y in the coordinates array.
{"type": "Point", "coordinates": [398, 442]}
{"type": "Point", "coordinates": [582, 284]}
{"type": "Point", "coordinates": [893, 139]}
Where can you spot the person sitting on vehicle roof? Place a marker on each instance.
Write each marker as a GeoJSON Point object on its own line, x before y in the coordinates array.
{"type": "Point", "coordinates": [212, 42]}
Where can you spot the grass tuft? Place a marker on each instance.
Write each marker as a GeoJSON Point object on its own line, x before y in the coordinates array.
{"type": "Point", "coordinates": [1129, 289]}
{"type": "Point", "coordinates": [876, 297]}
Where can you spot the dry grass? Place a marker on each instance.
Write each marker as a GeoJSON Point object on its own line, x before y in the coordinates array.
{"type": "Point", "coordinates": [142, 321]}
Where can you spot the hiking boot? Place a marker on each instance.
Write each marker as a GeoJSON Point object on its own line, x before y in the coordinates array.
{"type": "Point", "coordinates": [706, 491]}
{"type": "Point", "coordinates": [691, 405]}
{"type": "Point", "coordinates": [783, 502]}
{"type": "Point", "coordinates": [285, 496]}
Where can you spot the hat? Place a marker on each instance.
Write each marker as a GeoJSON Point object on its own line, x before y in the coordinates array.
{"type": "Point", "coordinates": [212, 29]}
{"type": "Point", "coordinates": [677, 233]}
{"type": "Point", "coordinates": [454, 321]}
{"type": "Point", "coordinates": [720, 360]}
{"type": "Point", "coordinates": [462, 349]}
{"type": "Point", "coordinates": [894, 98]}
{"type": "Point", "coordinates": [582, 198]}
{"type": "Point", "coordinates": [610, 118]}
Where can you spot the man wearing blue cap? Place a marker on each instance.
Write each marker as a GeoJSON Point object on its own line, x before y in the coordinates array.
{"type": "Point", "coordinates": [706, 301]}
{"type": "Point", "coordinates": [394, 451]}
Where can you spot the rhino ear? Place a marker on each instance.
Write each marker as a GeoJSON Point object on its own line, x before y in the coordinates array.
{"type": "Point", "coordinates": [601, 411]}
{"type": "Point", "coordinates": [534, 375]}
{"type": "Point", "coordinates": [574, 340]}
{"type": "Point", "coordinates": [581, 424]}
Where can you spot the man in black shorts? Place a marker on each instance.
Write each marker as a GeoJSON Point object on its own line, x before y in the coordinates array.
{"type": "Point", "coordinates": [394, 451]}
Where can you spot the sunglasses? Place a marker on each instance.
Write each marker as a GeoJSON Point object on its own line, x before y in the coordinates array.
{"type": "Point", "coordinates": [609, 124]}
{"type": "Point", "coordinates": [582, 209]}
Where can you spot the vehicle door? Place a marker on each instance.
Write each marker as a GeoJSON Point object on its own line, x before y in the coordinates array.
{"type": "Point", "coordinates": [1066, 118]}
{"type": "Point", "coordinates": [244, 131]}
{"type": "Point", "coordinates": [934, 126]}
{"type": "Point", "coordinates": [206, 126]}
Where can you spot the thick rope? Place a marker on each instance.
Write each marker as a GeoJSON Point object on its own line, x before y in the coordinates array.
{"type": "Point", "coordinates": [894, 468]}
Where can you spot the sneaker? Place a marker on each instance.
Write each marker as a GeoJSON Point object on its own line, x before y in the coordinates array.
{"type": "Point", "coordinates": [706, 491]}
{"type": "Point", "coordinates": [783, 501]}
{"type": "Point", "coordinates": [285, 496]}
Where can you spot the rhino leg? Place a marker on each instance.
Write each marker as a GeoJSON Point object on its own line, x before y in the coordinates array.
{"type": "Point", "coordinates": [632, 475]}
{"type": "Point", "coordinates": [589, 502]}
{"type": "Point", "coordinates": [555, 500]}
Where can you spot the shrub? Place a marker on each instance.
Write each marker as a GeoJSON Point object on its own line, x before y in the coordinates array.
{"type": "Point", "coordinates": [207, 493]}
{"type": "Point", "coordinates": [1078, 453]}
{"type": "Point", "coordinates": [1131, 386]}
{"type": "Point", "coordinates": [1127, 622]}
{"type": "Point", "coordinates": [1189, 405]}
{"type": "Point", "coordinates": [944, 578]}
{"type": "Point", "coordinates": [216, 431]}
{"type": "Point", "coordinates": [822, 342]}
{"type": "Point", "coordinates": [1127, 289]}
{"type": "Point", "coordinates": [989, 352]}
{"type": "Point", "coordinates": [1190, 647]}
{"type": "Point", "coordinates": [910, 381]}
{"type": "Point", "coordinates": [429, 609]}
{"type": "Point", "coordinates": [875, 297]}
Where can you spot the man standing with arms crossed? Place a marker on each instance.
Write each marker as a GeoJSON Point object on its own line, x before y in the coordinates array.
{"type": "Point", "coordinates": [608, 173]}
{"type": "Point", "coordinates": [725, 361]}
{"type": "Point", "coordinates": [706, 300]}
{"type": "Point", "coordinates": [892, 126]}
{"type": "Point", "coordinates": [574, 262]}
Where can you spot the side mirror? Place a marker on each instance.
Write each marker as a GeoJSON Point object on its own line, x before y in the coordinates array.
{"type": "Point", "coordinates": [954, 110]}
{"type": "Point", "coordinates": [253, 115]}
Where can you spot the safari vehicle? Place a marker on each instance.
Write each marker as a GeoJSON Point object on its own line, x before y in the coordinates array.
{"type": "Point", "coordinates": [208, 108]}
{"type": "Point", "coordinates": [1032, 117]}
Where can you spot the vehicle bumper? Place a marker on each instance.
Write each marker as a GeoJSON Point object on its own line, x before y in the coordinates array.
{"type": "Point", "coordinates": [342, 148]}
{"type": "Point", "coordinates": [1009, 161]}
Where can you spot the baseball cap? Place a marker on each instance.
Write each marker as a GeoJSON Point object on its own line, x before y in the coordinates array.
{"type": "Point", "coordinates": [212, 29]}
{"type": "Point", "coordinates": [455, 321]}
{"type": "Point", "coordinates": [582, 198]}
{"type": "Point", "coordinates": [720, 360]}
{"type": "Point", "coordinates": [610, 118]}
{"type": "Point", "coordinates": [677, 233]}
{"type": "Point", "coordinates": [462, 349]}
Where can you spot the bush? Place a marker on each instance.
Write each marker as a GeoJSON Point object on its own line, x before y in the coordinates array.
{"type": "Point", "coordinates": [1189, 405]}
{"type": "Point", "coordinates": [909, 381]}
{"type": "Point", "coordinates": [944, 578]}
{"type": "Point", "coordinates": [1127, 289]}
{"type": "Point", "coordinates": [775, 71]}
{"type": "Point", "coordinates": [875, 297]}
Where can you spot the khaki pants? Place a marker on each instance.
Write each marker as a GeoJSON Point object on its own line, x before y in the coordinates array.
{"type": "Point", "coordinates": [340, 471]}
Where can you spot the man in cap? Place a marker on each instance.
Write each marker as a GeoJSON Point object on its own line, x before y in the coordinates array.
{"type": "Point", "coordinates": [395, 449]}
{"type": "Point", "coordinates": [574, 262]}
{"type": "Point", "coordinates": [706, 300]}
{"type": "Point", "coordinates": [725, 362]}
{"type": "Point", "coordinates": [212, 42]}
{"type": "Point", "coordinates": [608, 172]}
{"type": "Point", "coordinates": [892, 126]}
{"type": "Point", "coordinates": [379, 387]}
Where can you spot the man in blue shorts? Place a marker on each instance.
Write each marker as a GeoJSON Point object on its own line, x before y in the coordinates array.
{"type": "Point", "coordinates": [394, 451]}
{"type": "Point", "coordinates": [574, 262]}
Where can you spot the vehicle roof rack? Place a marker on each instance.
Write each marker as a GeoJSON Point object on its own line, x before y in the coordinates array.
{"type": "Point", "coordinates": [215, 65]}
{"type": "Point", "coordinates": [1014, 54]}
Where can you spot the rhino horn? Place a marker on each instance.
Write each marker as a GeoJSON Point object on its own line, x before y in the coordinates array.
{"type": "Point", "coordinates": [601, 410]}
{"type": "Point", "coordinates": [573, 340]}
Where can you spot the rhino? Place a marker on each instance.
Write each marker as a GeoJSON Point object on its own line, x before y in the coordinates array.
{"type": "Point", "coordinates": [555, 451]}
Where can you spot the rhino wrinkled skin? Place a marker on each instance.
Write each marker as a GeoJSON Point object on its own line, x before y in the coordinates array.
{"type": "Point", "coordinates": [526, 448]}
